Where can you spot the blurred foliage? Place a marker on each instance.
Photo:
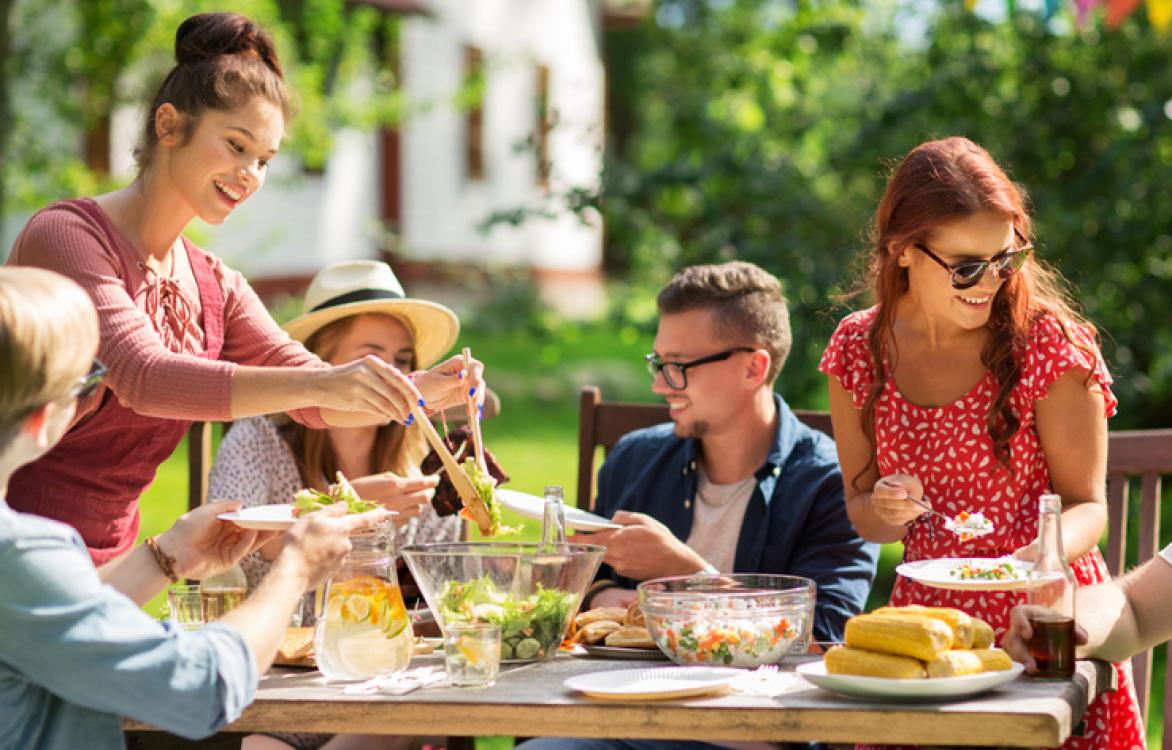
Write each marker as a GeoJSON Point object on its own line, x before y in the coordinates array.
{"type": "Point", "coordinates": [763, 131]}
{"type": "Point", "coordinates": [72, 62]}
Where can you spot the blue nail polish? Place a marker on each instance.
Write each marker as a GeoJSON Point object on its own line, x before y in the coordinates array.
{"type": "Point", "coordinates": [472, 392]}
{"type": "Point", "coordinates": [410, 419]}
{"type": "Point", "coordinates": [421, 403]}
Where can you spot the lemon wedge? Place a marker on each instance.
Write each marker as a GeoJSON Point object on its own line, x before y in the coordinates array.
{"type": "Point", "coordinates": [358, 607]}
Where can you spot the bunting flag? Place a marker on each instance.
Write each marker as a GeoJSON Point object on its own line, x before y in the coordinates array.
{"type": "Point", "coordinates": [1119, 10]}
{"type": "Point", "coordinates": [1083, 9]}
{"type": "Point", "coordinates": [1160, 14]}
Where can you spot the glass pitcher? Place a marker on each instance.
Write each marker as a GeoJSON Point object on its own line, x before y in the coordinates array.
{"type": "Point", "coordinates": [364, 630]}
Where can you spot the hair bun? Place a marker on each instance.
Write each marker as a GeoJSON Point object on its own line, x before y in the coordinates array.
{"type": "Point", "coordinates": [207, 36]}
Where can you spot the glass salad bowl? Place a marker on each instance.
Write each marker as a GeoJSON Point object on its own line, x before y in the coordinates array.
{"type": "Point", "coordinates": [730, 620]}
{"type": "Point", "coordinates": [530, 590]}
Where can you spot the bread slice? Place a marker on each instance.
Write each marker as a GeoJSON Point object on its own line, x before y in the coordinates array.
{"type": "Point", "coordinates": [296, 646]}
{"type": "Point", "coordinates": [594, 632]}
{"type": "Point", "coordinates": [631, 637]}
{"type": "Point", "coordinates": [614, 614]}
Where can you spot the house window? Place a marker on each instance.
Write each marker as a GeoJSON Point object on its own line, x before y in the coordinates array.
{"type": "Point", "coordinates": [474, 116]}
{"type": "Point", "coordinates": [542, 127]}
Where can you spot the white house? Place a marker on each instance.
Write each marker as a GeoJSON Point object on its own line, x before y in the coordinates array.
{"type": "Point", "coordinates": [433, 182]}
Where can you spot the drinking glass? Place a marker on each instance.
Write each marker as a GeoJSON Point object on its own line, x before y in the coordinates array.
{"type": "Point", "coordinates": [472, 653]}
{"type": "Point", "coordinates": [186, 607]}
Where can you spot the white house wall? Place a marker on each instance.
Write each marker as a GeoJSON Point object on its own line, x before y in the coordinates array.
{"type": "Point", "coordinates": [441, 207]}
{"type": "Point", "coordinates": [300, 222]}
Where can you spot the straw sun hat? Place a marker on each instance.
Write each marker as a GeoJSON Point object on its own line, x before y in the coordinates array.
{"type": "Point", "coordinates": [356, 287]}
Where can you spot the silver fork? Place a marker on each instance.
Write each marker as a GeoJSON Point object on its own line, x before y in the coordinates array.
{"type": "Point", "coordinates": [923, 503]}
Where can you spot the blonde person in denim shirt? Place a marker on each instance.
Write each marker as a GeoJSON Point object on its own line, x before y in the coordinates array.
{"type": "Point", "coordinates": [78, 652]}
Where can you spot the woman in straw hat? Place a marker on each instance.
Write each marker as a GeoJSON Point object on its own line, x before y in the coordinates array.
{"type": "Point", "coordinates": [353, 309]}
{"type": "Point", "coordinates": [183, 336]}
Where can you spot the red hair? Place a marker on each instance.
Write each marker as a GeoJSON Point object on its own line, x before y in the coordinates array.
{"type": "Point", "coordinates": [939, 183]}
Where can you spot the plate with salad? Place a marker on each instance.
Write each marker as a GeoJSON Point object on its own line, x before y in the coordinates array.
{"type": "Point", "coordinates": [282, 516]}
{"type": "Point", "coordinates": [970, 573]}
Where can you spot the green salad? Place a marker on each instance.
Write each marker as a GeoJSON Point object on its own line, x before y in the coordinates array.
{"type": "Point", "coordinates": [531, 628]}
{"type": "Point", "coordinates": [309, 500]}
{"type": "Point", "coordinates": [485, 487]}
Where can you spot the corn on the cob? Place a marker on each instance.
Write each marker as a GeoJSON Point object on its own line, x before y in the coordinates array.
{"type": "Point", "coordinates": [961, 624]}
{"type": "Point", "coordinates": [954, 664]}
{"type": "Point", "coordinates": [846, 660]}
{"type": "Point", "coordinates": [982, 634]}
{"type": "Point", "coordinates": [993, 659]}
{"type": "Point", "coordinates": [903, 635]}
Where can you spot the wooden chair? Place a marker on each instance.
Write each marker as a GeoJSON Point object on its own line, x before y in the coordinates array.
{"type": "Point", "coordinates": [1145, 455]}
{"type": "Point", "coordinates": [602, 424]}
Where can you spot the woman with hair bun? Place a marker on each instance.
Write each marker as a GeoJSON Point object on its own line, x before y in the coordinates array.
{"type": "Point", "coordinates": [973, 385]}
{"type": "Point", "coordinates": [183, 336]}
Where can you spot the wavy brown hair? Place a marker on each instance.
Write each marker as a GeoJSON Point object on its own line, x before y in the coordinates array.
{"type": "Point", "coordinates": [939, 183]}
{"type": "Point", "coordinates": [395, 448]}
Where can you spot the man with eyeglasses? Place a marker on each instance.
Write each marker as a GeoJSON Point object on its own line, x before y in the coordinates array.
{"type": "Point", "coordinates": [735, 483]}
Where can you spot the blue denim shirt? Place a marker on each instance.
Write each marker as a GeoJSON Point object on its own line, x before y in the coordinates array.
{"type": "Point", "coordinates": [76, 655]}
{"type": "Point", "coordinates": [795, 522]}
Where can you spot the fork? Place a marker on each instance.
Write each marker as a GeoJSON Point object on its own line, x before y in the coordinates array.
{"type": "Point", "coordinates": [924, 503]}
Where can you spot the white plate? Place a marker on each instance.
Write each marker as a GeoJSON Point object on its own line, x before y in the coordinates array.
{"type": "Point", "coordinates": [618, 652]}
{"type": "Point", "coordinates": [531, 506]}
{"type": "Point", "coordinates": [262, 517]}
{"type": "Point", "coordinates": [654, 683]}
{"type": "Point", "coordinates": [266, 517]}
{"type": "Point", "coordinates": [938, 573]}
{"type": "Point", "coordinates": [880, 687]}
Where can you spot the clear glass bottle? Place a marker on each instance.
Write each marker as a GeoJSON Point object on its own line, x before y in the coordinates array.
{"type": "Point", "coordinates": [222, 592]}
{"type": "Point", "coordinates": [364, 630]}
{"type": "Point", "coordinates": [553, 523]}
{"type": "Point", "coordinates": [1051, 588]}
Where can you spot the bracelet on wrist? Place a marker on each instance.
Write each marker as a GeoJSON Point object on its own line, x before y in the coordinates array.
{"type": "Point", "coordinates": [165, 562]}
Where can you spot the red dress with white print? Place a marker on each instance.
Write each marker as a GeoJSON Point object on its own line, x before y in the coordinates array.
{"type": "Point", "coordinates": [949, 450]}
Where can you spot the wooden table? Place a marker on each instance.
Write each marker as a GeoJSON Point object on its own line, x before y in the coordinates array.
{"type": "Point", "coordinates": [530, 700]}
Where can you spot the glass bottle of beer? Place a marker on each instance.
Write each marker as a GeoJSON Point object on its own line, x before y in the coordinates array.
{"type": "Point", "coordinates": [1051, 591]}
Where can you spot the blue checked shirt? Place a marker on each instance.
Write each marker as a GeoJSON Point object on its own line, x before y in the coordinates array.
{"type": "Point", "coordinates": [76, 655]}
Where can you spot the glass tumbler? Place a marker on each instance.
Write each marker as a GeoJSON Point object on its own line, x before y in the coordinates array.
{"type": "Point", "coordinates": [472, 653]}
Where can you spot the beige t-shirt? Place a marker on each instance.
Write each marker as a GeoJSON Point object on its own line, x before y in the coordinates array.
{"type": "Point", "coordinates": [716, 524]}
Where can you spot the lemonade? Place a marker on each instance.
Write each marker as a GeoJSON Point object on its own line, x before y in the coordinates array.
{"type": "Point", "coordinates": [364, 631]}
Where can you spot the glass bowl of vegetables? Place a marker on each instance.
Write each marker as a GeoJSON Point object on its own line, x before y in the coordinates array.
{"type": "Point", "coordinates": [530, 590]}
{"type": "Point", "coordinates": [728, 620]}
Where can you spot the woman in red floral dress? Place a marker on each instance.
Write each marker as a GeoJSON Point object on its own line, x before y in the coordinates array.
{"type": "Point", "coordinates": [973, 384]}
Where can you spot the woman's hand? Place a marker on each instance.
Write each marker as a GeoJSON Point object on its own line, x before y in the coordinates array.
{"type": "Point", "coordinates": [893, 499]}
{"type": "Point", "coordinates": [367, 386]}
{"type": "Point", "coordinates": [203, 545]}
{"type": "Point", "coordinates": [407, 496]}
{"type": "Point", "coordinates": [449, 384]}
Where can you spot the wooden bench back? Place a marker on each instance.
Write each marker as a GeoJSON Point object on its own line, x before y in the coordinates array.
{"type": "Point", "coordinates": [1142, 457]}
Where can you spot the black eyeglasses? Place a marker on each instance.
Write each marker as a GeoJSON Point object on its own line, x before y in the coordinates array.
{"type": "Point", "coordinates": [89, 382]}
{"type": "Point", "coordinates": [675, 374]}
{"type": "Point", "coordinates": [969, 273]}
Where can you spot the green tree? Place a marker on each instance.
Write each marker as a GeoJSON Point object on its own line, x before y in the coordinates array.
{"type": "Point", "coordinates": [764, 131]}
{"type": "Point", "coordinates": [68, 65]}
